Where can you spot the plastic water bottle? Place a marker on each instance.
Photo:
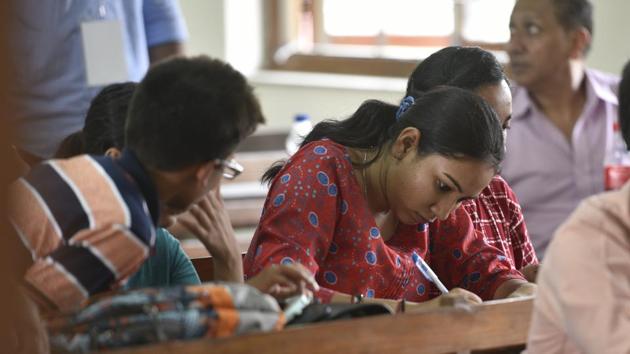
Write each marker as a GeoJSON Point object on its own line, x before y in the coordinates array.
{"type": "Point", "coordinates": [616, 162]}
{"type": "Point", "coordinates": [301, 127]}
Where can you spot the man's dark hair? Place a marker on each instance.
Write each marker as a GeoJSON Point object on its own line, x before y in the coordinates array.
{"type": "Point", "coordinates": [624, 103]}
{"type": "Point", "coordinates": [188, 111]}
{"type": "Point", "coordinates": [572, 14]}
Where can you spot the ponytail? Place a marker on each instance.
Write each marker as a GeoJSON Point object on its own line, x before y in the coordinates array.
{"type": "Point", "coordinates": [362, 130]}
{"type": "Point", "coordinates": [71, 146]}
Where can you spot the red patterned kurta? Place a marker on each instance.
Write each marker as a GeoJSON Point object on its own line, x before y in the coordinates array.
{"type": "Point", "coordinates": [497, 215]}
{"type": "Point", "coordinates": [316, 214]}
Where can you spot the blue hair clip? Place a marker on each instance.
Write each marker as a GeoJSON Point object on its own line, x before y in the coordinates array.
{"type": "Point", "coordinates": [404, 106]}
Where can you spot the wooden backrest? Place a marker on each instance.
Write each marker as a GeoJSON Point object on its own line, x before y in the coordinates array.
{"type": "Point", "coordinates": [205, 267]}
{"type": "Point", "coordinates": [494, 324]}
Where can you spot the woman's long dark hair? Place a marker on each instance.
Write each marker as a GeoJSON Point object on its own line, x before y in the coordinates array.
{"type": "Point", "coordinates": [464, 67]}
{"type": "Point", "coordinates": [104, 123]}
{"type": "Point", "coordinates": [453, 122]}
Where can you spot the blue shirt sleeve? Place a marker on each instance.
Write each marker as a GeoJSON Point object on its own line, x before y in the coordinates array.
{"type": "Point", "coordinates": [182, 271]}
{"type": "Point", "coordinates": [169, 265]}
{"type": "Point", "coordinates": [163, 22]}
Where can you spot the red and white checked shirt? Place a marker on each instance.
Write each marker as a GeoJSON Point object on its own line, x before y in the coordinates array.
{"type": "Point", "coordinates": [496, 214]}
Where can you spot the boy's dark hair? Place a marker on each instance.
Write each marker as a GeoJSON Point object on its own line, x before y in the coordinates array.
{"type": "Point", "coordinates": [188, 111]}
{"type": "Point", "coordinates": [624, 103]}
{"type": "Point", "coordinates": [465, 67]}
{"type": "Point", "coordinates": [454, 123]}
{"type": "Point", "coordinates": [572, 14]}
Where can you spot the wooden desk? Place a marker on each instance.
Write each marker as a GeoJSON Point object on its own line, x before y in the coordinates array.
{"type": "Point", "coordinates": [244, 197]}
{"type": "Point", "coordinates": [494, 324]}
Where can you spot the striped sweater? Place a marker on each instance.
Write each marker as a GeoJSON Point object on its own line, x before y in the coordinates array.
{"type": "Point", "coordinates": [88, 222]}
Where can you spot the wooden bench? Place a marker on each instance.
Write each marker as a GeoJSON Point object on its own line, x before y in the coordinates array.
{"type": "Point", "coordinates": [492, 325]}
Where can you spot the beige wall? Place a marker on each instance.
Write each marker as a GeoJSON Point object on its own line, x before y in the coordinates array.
{"type": "Point", "coordinates": [611, 42]}
{"type": "Point", "coordinates": [215, 30]}
{"type": "Point", "coordinates": [206, 27]}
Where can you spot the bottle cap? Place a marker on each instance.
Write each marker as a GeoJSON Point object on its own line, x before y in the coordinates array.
{"type": "Point", "coordinates": [300, 117]}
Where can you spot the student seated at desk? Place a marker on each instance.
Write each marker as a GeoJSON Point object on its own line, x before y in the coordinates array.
{"type": "Point", "coordinates": [496, 213]}
{"type": "Point", "coordinates": [583, 300]}
{"type": "Point", "coordinates": [89, 222]}
{"type": "Point", "coordinates": [352, 205]}
{"type": "Point", "coordinates": [104, 134]}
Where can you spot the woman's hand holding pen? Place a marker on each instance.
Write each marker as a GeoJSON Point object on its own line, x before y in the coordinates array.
{"type": "Point", "coordinates": [454, 297]}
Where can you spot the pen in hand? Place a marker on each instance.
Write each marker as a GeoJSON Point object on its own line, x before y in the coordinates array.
{"type": "Point", "coordinates": [429, 274]}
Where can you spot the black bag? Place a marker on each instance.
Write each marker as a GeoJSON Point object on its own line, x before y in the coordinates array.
{"type": "Point", "coordinates": [330, 312]}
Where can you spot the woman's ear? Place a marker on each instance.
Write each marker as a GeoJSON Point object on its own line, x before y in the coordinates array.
{"type": "Point", "coordinates": [407, 141]}
{"type": "Point", "coordinates": [113, 152]}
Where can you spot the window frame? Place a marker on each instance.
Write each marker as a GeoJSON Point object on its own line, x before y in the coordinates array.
{"type": "Point", "coordinates": [350, 64]}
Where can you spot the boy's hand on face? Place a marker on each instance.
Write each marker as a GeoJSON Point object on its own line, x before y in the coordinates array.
{"type": "Point", "coordinates": [209, 222]}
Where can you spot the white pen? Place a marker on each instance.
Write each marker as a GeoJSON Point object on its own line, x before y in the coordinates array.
{"type": "Point", "coordinates": [428, 272]}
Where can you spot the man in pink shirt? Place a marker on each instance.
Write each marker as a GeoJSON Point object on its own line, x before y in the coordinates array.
{"type": "Point", "coordinates": [563, 113]}
{"type": "Point", "coordinates": [583, 298]}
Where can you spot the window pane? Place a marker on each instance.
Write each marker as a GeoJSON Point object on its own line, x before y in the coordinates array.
{"type": "Point", "coordinates": [419, 17]}
{"type": "Point", "coordinates": [351, 17]}
{"type": "Point", "coordinates": [487, 20]}
{"type": "Point", "coordinates": [390, 17]}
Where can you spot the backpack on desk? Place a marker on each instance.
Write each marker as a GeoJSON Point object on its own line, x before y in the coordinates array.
{"type": "Point", "coordinates": [160, 314]}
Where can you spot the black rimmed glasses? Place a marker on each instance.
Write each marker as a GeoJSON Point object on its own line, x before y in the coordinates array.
{"type": "Point", "coordinates": [231, 168]}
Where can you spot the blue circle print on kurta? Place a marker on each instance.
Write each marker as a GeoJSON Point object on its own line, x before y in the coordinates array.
{"type": "Point", "coordinates": [322, 177]}
{"type": "Point", "coordinates": [457, 254]}
{"type": "Point", "coordinates": [344, 207]}
{"type": "Point", "coordinates": [320, 150]}
{"type": "Point", "coordinates": [421, 227]}
{"type": "Point", "coordinates": [369, 293]}
{"type": "Point", "coordinates": [398, 261]}
{"type": "Point", "coordinates": [370, 257]}
{"type": "Point", "coordinates": [313, 219]}
{"type": "Point", "coordinates": [475, 276]}
{"type": "Point", "coordinates": [285, 178]}
{"type": "Point", "coordinates": [375, 232]}
{"type": "Point", "coordinates": [287, 260]}
{"type": "Point", "coordinates": [420, 289]}
{"type": "Point", "coordinates": [330, 277]}
{"type": "Point", "coordinates": [258, 250]}
{"type": "Point", "coordinates": [278, 199]}
{"type": "Point", "coordinates": [332, 189]}
{"type": "Point", "coordinates": [333, 248]}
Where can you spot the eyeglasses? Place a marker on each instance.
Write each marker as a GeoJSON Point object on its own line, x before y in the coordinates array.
{"type": "Point", "coordinates": [231, 168]}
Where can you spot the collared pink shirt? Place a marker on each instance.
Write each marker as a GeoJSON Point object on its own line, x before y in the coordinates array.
{"type": "Point", "coordinates": [549, 174]}
{"type": "Point", "coordinates": [582, 303]}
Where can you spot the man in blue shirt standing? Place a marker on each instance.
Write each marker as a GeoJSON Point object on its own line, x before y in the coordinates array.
{"type": "Point", "coordinates": [53, 90]}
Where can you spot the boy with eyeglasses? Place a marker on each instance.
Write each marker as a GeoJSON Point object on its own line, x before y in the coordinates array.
{"type": "Point", "coordinates": [89, 222]}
